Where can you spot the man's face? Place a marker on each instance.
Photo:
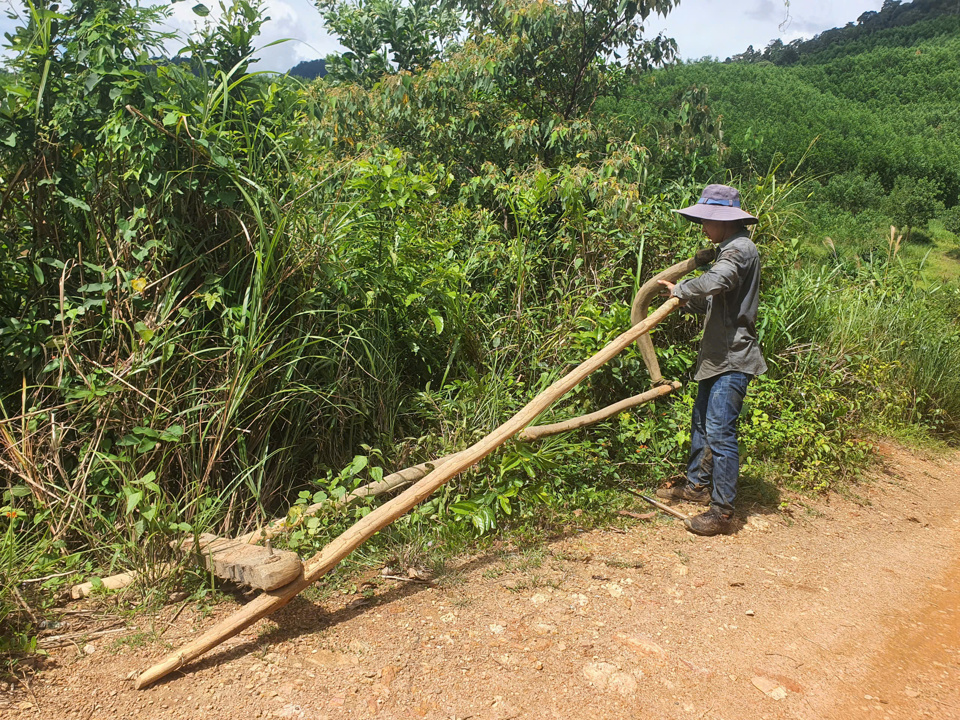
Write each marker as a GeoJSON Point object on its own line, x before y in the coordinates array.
{"type": "Point", "coordinates": [719, 230]}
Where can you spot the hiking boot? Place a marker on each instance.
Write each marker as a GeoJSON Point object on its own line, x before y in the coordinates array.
{"type": "Point", "coordinates": [712, 522]}
{"type": "Point", "coordinates": [687, 493]}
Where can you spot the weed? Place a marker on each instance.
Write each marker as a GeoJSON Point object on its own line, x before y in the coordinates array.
{"type": "Point", "coordinates": [134, 641]}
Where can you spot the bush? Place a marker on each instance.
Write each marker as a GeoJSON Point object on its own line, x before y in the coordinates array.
{"type": "Point", "coordinates": [913, 202]}
{"type": "Point", "coordinates": [853, 192]}
{"type": "Point", "coordinates": [951, 219]}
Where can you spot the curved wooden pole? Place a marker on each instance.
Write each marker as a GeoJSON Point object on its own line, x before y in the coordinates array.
{"type": "Point", "coordinates": [328, 558]}
{"type": "Point", "coordinates": [538, 431]}
{"type": "Point", "coordinates": [651, 289]}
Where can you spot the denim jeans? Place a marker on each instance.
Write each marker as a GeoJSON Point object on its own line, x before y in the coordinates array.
{"type": "Point", "coordinates": [714, 453]}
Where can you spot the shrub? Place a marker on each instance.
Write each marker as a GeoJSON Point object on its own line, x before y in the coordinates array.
{"type": "Point", "coordinates": [852, 191]}
{"type": "Point", "coordinates": [951, 219]}
{"type": "Point", "coordinates": [913, 202]}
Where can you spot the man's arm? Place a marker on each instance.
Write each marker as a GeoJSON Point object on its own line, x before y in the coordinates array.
{"type": "Point", "coordinates": [694, 305]}
{"type": "Point", "coordinates": [723, 277]}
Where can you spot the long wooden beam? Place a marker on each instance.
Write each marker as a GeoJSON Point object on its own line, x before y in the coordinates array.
{"type": "Point", "coordinates": [328, 558]}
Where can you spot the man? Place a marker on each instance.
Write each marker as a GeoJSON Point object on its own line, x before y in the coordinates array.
{"type": "Point", "coordinates": [729, 356]}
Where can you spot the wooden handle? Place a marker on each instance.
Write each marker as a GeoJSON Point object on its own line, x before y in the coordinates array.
{"type": "Point", "coordinates": [646, 294]}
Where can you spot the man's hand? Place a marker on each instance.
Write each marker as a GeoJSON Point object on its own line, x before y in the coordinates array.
{"type": "Point", "coordinates": [667, 290]}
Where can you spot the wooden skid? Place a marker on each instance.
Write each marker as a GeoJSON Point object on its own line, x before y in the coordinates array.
{"type": "Point", "coordinates": [259, 567]}
{"type": "Point", "coordinates": [536, 432]}
{"type": "Point", "coordinates": [332, 554]}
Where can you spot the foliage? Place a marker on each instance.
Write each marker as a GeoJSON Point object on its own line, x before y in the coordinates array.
{"type": "Point", "coordinates": [913, 202]}
{"type": "Point", "coordinates": [227, 45]}
{"type": "Point", "coordinates": [387, 36]}
{"type": "Point", "coordinates": [558, 58]}
{"type": "Point", "coordinates": [852, 192]}
{"type": "Point", "coordinates": [882, 112]}
{"type": "Point", "coordinates": [807, 446]}
{"type": "Point", "coordinates": [951, 220]}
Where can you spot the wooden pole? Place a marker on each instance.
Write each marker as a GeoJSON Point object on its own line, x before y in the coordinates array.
{"type": "Point", "coordinates": [646, 295]}
{"type": "Point", "coordinates": [538, 431]}
{"type": "Point", "coordinates": [665, 508]}
{"type": "Point", "coordinates": [332, 554]}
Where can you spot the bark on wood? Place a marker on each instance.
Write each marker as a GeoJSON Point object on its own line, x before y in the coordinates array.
{"type": "Point", "coordinates": [114, 582]}
{"type": "Point", "coordinates": [538, 431]}
{"type": "Point", "coordinates": [332, 554]}
{"type": "Point", "coordinates": [650, 290]}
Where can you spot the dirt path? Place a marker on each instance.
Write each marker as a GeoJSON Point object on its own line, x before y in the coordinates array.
{"type": "Point", "coordinates": [845, 609]}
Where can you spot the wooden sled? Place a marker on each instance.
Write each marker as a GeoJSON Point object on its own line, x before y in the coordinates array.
{"type": "Point", "coordinates": [447, 468]}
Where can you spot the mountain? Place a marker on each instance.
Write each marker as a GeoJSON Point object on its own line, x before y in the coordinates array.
{"type": "Point", "coordinates": [309, 69]}
{"type": "Point", "coordinates": [896, 24]}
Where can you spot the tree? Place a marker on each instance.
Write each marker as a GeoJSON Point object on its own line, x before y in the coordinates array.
{"type": "Point", "coordinates": [519, 89]}
{"type": "Point", "coordinates": [561, 56]}
{"type": "Point", "coordinates": [853, 192]}
{"type": "Point", "coordinates": [227, 45]}
{"type": "Point", "coordinates": [387, 36]}
{"type": "Point", "coordinates": [749, 55]}
{"type": "Point", "coordinates": [914, 202]}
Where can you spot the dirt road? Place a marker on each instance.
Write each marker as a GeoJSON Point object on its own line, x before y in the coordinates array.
{"type": "Point", "coordinates": [845, 608]}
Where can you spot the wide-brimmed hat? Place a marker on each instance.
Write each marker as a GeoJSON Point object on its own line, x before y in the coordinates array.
{"type": "Point", "coordinates": [717, 202]}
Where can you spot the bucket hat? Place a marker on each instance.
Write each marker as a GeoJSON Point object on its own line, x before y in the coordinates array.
{"type": "Point", "coordinates": [717, 202]}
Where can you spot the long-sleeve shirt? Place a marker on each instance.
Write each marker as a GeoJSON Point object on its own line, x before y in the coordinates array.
{"type": "Point", "coordinates": [728, 293]}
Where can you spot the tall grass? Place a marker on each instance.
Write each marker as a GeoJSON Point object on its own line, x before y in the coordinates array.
{"type": "Point", "coordinates": [873, 321]}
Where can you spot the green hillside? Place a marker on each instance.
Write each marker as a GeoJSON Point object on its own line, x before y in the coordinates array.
{"type": "Point", "coordinates": [885, 104]}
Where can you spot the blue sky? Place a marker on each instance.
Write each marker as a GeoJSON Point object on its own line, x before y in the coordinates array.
{"type": "Point", "coordinates": [717, 28]}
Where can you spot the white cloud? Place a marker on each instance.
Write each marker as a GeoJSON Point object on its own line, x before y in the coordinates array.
{"type": "Point", "coordinates": [764, 10]}
{"type": "Point", "coordinates": [721, 28]}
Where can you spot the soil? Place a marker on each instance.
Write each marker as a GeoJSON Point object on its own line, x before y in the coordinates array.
{"type": "Point", "coordinates": [846, 607]}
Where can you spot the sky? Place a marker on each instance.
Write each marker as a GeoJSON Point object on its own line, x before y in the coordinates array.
{"type": "Point", "coordinates": [715, 28]}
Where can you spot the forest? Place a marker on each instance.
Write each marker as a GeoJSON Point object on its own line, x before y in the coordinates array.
{"type": "Point", "coordinates": [226, 295]}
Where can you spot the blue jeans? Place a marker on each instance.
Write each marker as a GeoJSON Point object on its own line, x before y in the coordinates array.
{"type": "Point", "coordinates": [714, 453]}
